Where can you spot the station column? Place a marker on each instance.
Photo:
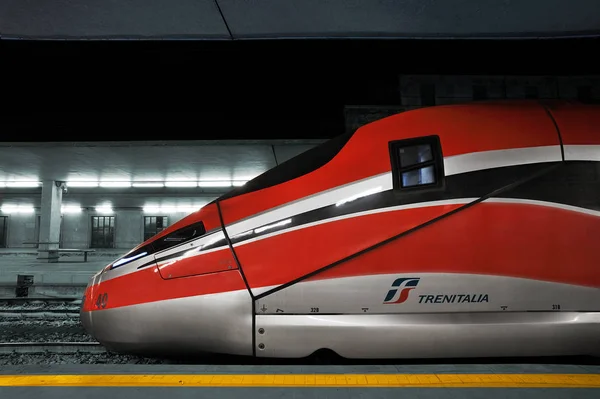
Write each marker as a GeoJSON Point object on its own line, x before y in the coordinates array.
{"type": "Point", "coordinates": [50, 221]}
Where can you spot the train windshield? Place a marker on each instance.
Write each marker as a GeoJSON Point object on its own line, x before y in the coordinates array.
{"type": "Point", "coordinates": [172, 239]}
{"type": "Point", "coordinates": [300, 165]}
{"type": "Point", "coordinates": [180, 236]}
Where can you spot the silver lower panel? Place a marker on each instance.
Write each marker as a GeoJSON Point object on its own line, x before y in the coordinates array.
{"type": "Point", "coordinates": [432, 335]}
{"type": "Point", "coordinates": [220, 323]}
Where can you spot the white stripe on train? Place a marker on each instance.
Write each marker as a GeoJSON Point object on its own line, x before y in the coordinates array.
{"type": "Point", "coordinates": [481, 160]}
{"type": "Point", "coordinates": [459, 201]}
{"type": "Point", "coordinates": [582, 152]}
{"type": "Point", "coordinates": [452, 165]}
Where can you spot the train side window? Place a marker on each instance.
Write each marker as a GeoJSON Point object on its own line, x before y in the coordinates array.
{"type": "Point", "coordinates": [177, 237]}
{"type": "Point", "coordinates": [417, 163]}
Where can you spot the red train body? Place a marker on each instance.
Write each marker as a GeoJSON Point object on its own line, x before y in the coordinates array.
{"type": "Point", "coordinates": [420, 235]}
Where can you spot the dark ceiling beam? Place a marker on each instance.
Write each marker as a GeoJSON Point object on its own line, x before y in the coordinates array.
{"type": "Point", "coordinates": [224, 20]}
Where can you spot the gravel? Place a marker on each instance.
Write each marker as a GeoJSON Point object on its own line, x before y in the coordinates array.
{"type": "Point", "coordinates": [57, 330]}
{"type": "Point", "coordinates": [63, 327]}
{"type": "Point", "coordinates": [75, 358]}
{"type": "Point", "coordinates": [41, 306]}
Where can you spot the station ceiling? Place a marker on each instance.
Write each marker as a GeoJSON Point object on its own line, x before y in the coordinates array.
{"type": "Point", "coordinates": [130, 174]}
{"type": "Point", "coordinates": [275, 19]}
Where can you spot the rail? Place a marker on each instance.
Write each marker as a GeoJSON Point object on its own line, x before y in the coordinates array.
{"type": "Point", "coordinates": [39, 308]}
{"type": "Point", "coordinates": [52, 314]}
{"type": "Point", "coordinates": [46, 300]}
{"type": "Point", "coordinates": [51, 347]}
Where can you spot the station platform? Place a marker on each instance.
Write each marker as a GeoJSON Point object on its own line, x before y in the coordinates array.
{"type": "Point", "coordinates": [301, 381]}
{"type": "Point", "coordinates": [67, 277]}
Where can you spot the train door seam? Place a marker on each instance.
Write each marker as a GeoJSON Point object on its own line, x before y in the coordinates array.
{"type": "Point", "coordinates": [239, 265]}
{"type": "Point", "coordinates": [560, 141]}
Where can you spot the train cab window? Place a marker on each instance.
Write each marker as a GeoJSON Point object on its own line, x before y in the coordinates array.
{"type": "Point", "coordinates": [177, 237]}
{"type": "Point", "coordinates": [417, 163]}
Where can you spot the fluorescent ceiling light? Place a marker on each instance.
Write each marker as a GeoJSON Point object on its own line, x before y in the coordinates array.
{"type": "Point", "coordinates": [187, 208]}
{"type": "Point", "coordinates": [181, 184]}
{"type": "Point", "coordinates": [70, 209]}
{"type": "Point", "coordinates": [153, 184]}
{"type": "Point", "coordinates": [104, 209]}
{"type": "Point", "coordinates": [17, 209]}
{"type": "Point", "coordinates": [115, 184]}
{"type": "Point", "coordinates": [22, 184]}
{"type": "Point", "coordinates": [82, 184]}
{"type": "Point", "coordinates": [148, 184]}
{"type": "Point", "coordinates": [171, 209]}
{"type": "Point", "coordinates": [214, 183]}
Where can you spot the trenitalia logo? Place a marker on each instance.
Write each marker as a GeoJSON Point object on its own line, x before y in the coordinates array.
{"type": "Point", "coordinates": [400, 290]}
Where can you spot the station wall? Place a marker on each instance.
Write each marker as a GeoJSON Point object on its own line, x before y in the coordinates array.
{"type": "Point", "coordinates": [76, 229]}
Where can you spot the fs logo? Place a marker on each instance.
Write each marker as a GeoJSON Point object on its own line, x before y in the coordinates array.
{"type": "Point", "coordinates": [400, 290]}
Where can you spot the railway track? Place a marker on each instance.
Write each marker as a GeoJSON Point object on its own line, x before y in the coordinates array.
{"type": "Point", "coordinates": [13, 301]}
{"type": "Point", "coordinates": [39, 308]}
{"type": "Point", "coordinates": [37, 314]}
{"type": "Point", "coordinates": [51, 347]}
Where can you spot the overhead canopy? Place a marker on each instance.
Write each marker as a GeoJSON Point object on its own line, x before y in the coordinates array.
{"type": "Point", "coordinates": [144, 161]}
{"type": "Point", "coordinates": [244, 19]}
{"type": "Point", "coordinates": [134, 174]}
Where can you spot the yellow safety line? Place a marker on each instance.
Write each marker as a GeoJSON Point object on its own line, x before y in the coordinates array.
{"type": "Point", "coordinates": [310, 380]}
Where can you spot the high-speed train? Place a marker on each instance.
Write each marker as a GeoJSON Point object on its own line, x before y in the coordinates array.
{"type": "Point", "coordinates": [451, 231]}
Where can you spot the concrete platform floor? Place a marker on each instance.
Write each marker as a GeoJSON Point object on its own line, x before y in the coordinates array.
{"type": "Point", "coordinates": [65, 278]}
{"type": "Point", "coordinates": [70, 268]}
{"type": "Point", "coordinates": [352, 381]}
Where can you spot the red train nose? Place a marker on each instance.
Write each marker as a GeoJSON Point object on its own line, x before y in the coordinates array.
{"type": "Point", "coordinates": [85, 314]}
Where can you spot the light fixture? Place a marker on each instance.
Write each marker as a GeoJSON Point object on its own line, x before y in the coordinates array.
{"type": "Point", "coordinates": [82, 184]}
{"type": "Point", "coordinates": [22, 184]}
{"type": "Point", "coordinates": [214, 183]}
{"type": "Point", "coordinates": [187, 209]}
{"type": "Point", "coordinates": [17, 209]}
{"type": "Point", "coordinates": [104, 209]}
{"type": "Point", "coordinates": [171, 208]}
{"type": "Point", "coordinates": [137, 184]}
{"type": "Point", "coordinates": [181, 184]}
{"type": "Point", "coordinates": [115, 184]}
{"type": "Point", "coordinates": [148, 184]}
{"type": "Point", "coordinates": [70, 209]}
